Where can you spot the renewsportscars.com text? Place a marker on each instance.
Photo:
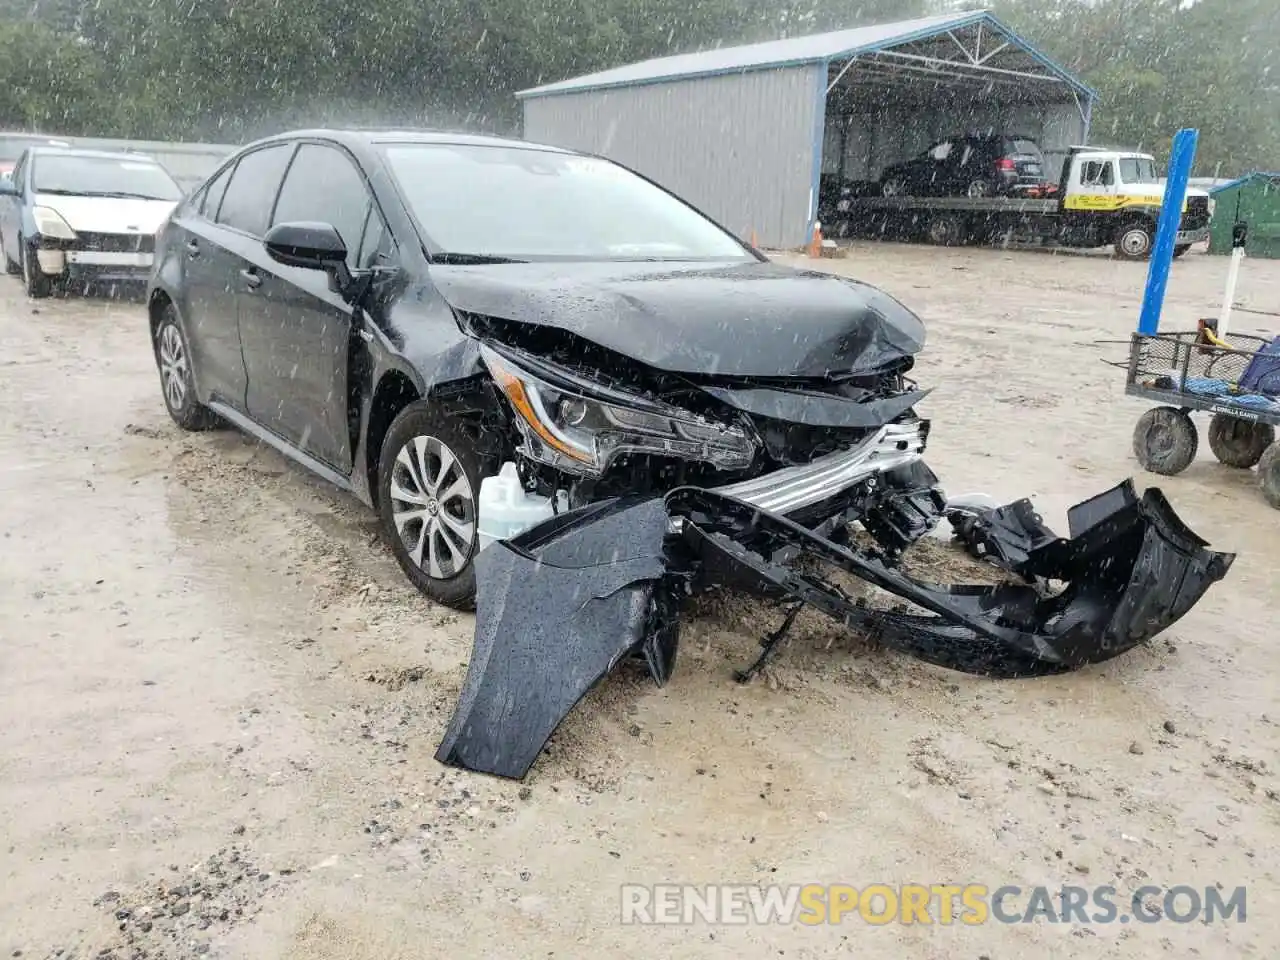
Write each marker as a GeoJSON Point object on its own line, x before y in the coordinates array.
{"type": "Point", "coordinates": [944, 904]}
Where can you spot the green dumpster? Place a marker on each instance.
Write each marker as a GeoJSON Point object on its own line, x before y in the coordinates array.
{"type": "Point", "coordinates": [1255, 199]}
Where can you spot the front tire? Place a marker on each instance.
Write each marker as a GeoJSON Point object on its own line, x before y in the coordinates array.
{"type": "Point", "coordinates": [1134, 241]}
{"type": "Point", "coordinates": [39, 284]}
{"type": "Point", "coordinates": [1269, 475]}
{"type": "Point", "coordinates": [173, 359]}
{"type": "Point", "coordinates": [429, 478]}
{"type": "Point", "coordinates": [1165, 441]}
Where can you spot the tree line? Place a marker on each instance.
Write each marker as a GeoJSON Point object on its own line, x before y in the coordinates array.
{"type": "Point", "coordinates": [230, 70]}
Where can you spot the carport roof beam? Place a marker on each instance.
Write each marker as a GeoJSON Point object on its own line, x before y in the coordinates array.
{"type": "Point", "coordinates": [943, 67]}
{"type": "Point", "coordinates": [1006, 54]}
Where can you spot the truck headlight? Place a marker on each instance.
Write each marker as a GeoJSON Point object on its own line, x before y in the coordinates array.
{"type": "Point", "coordinates": [49, 223]}
{"type": "Point", "coordinates": [579, 428]}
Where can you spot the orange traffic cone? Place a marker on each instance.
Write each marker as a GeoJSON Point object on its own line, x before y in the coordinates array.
{"type": "Point", "coordinates": [815, 244]}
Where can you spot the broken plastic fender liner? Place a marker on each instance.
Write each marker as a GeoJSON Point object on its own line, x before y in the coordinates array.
{"type": "Point", "coordinates": [557, 608]}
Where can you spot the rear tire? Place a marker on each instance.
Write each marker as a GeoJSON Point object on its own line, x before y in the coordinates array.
{"type": "Point", "coordinates": [980, 189]}
{"type": "Point", "coordinates": [1165, 441]}
{"type": "Point", "coordinates": [1269, 475]}
{"type": "Point", "coordinates": [39, 285]}
{"type": "Point", "coordinates": [1239, 443]}
{"type": "Point", "coordinates": [429, 474]}
{"type": "Point", "coordinates": [1134, 240]}
{"type": "Point", "coordinates": [177, 383]}
{"type": "Point", "coordinates": [10, 265]}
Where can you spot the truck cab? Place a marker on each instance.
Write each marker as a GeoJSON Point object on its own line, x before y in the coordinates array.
{"type": "Point", "coordinates": [1115, 196]}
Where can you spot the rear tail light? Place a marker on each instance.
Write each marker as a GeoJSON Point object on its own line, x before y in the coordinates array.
{"type": "Point", "coordinates": [1005, 163]}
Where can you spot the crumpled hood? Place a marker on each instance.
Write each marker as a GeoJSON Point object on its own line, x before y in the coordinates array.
{"type": "Point", "coordinates": [108, 214]}
{"type": "Point", "coordinates": [753, 319]}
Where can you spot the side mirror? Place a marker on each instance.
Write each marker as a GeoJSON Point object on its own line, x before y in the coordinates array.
{"type": "Point", "coordinates": [315, 246]}
{"type": "Point", "coordinates": [7, 187]}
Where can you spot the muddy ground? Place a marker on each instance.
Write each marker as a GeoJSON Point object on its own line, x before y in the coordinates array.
{"type": "Point", "coordinates": [219, 699]}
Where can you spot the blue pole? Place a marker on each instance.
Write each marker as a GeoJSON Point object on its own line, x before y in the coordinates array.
{"type": "Point", "coordinates": [1175, 193]}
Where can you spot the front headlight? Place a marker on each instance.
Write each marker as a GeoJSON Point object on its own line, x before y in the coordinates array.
{"type": "Point", "coordinates": [571, 426]}
{"type": "Point", "coordinates": [49, 223]}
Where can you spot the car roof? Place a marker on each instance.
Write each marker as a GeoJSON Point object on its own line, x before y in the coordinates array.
{"type": "Point", "coordinates": [363, 139]}
{"type": "Point", "coordinates": [96, 154]}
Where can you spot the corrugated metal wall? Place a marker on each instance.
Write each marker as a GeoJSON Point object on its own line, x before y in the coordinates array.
{"type": "Point", "coordinates": [740, 147]}
{"type": "Point", "coordinates": [881, 135]}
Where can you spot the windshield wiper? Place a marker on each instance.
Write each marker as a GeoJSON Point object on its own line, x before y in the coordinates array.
{"type": "Point", "coordinates": [124, 195]}
{"type": "Point", "coordinates": [467, 259]}
{"type": "Point", "coordinates": [118, 195]}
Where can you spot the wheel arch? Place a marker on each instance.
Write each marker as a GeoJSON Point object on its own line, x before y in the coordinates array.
{"type": "Point", "coordinates": [473, 398]}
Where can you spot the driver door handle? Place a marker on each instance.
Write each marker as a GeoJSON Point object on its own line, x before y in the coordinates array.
{"type": "Point", "coordinates": [251, 279]}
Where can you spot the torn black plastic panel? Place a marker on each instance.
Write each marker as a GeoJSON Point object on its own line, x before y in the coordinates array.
{"type": "Point", "coordinates": [556, 609]}
{"type": "Point", "coordinates": [561, 605]}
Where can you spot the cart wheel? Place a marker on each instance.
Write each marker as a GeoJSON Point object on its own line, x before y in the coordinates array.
{"type": "Point", "coordinates": [1165, 441]}
{"type": "Point", "coordinates": [1237, 442]}
{"type": "Point", "coordinates": [1269, 475]}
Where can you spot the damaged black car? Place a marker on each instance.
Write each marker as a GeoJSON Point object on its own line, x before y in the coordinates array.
{"type": "Point", "coordinates": [575, 401]}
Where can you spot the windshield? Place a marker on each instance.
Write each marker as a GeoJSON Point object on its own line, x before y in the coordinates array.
{"type": "Point", "coordinates": [1028, 147]}
{"type": "Point", "coordinates": [103, 177]}
{"type": "Point", "coordinates": [1138, 170]}
{"type": "Point", "coordinates": [520, 204]}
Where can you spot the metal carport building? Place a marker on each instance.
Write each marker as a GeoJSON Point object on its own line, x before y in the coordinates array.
{"type": "Point", "coordinates": [746, 132]}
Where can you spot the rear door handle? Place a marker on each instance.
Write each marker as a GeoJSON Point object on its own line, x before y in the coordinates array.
{"type": "Point", "coordinates": [251, 279]}
{"type": "Point", "coordinates": [193, 248]}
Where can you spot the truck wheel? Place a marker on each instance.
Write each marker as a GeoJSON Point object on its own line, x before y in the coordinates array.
{"type": "Point", "coordinates": [979, 189]}
{"type": "Point", "coordinates": [1134, 240]}
{"type": "Point", "coordinates": [946, 231]}
{"type": "Point", "coordinates": [1239, 443]}
{"type": "Point", "coordinates": [1165, 441]}
{"type": "Point", "coordinates": [1269, 475]}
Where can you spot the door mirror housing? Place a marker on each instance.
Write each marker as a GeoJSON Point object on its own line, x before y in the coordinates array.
{"type": "Point", "coordinates": [314, 246]}
{"type": "Point", "coordinates": [7, 187]}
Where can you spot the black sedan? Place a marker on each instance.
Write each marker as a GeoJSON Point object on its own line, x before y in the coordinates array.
{"type": "Point", "coordinates": [406, 314]}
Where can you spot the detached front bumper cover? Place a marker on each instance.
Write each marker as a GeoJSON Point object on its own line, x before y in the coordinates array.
{"type": "Point", "coordinates": [561, 605]}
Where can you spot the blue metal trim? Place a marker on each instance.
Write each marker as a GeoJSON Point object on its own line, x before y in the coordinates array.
{"type": "Point", "coordinates": [820, 72]}
{"type": "Point", "coordinates": [959, 21]}
{"type": "Point", "coordinates": [1251, 175]}
{"type": "Point", "coordinates": [1181, 156]}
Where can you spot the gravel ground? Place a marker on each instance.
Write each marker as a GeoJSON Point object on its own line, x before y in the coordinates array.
{"type": "Point", "coordinates": [219, 699]}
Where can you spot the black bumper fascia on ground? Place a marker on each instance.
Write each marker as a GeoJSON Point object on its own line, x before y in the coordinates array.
{"type": "Point", "coordinates": [562, 604]}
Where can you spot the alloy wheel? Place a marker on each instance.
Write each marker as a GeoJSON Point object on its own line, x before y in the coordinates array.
{"type": "Point", "coordinates": [173, 366]}
{"type": "Point", "coordinates": [433, 507]}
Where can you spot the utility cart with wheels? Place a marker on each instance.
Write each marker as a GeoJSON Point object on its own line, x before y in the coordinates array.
{"type": "Point", "coordinates": [1236, 379]}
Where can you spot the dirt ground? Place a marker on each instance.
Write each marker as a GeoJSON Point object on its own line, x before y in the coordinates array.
{"type": "Point", "coordinates": [219, 699]}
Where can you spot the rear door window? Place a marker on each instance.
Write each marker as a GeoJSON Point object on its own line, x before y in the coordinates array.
{"type": "Point", "coordinates": [252, 191]}
{"type": "Point", "coordinates": [324, 186]}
